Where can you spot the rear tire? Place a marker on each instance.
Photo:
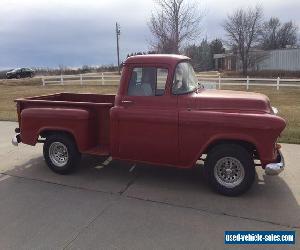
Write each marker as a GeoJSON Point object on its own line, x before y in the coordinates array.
{"type": "Point", "coordinates": [230, 169]}
{"type": "Point", "coordinates": [61, 153]}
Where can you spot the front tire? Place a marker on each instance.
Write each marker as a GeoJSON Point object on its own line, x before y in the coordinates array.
{"type": "Point", "coordinates": [61, 153]}
{"type": "Point", "coordinates": [230, 169]}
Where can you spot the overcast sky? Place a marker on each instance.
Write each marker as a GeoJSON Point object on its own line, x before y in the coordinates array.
{"type": "Point", "coordinates": [47, 33]}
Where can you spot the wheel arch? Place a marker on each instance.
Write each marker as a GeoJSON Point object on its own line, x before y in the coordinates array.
{"type": "Point", "coordinates": [248, 145]}
{"type": "Point", "coordinates": [46, 132]}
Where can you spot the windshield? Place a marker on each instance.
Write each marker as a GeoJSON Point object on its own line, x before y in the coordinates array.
{"type": "Point", "coordinates": [185, 80]}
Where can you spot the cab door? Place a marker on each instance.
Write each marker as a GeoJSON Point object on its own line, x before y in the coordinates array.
{"type": "Point", "coordinates": [148, 117]}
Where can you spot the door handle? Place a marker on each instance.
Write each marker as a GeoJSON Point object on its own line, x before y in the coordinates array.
{"type": "Point", "coordinates": [127, 102]}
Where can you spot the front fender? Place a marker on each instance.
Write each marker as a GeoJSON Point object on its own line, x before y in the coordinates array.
{"type": "Point", "coordinates": [201, 128]}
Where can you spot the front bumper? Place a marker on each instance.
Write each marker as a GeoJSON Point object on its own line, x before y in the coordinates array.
{"type": "Point", "coordinates": [276, 167]}
{"type": "Point", "coordinates": [16, 140]}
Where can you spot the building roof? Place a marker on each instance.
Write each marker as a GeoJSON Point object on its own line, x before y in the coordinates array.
{"type": "Point", "coordinates": [156, 58]}
{"type": "Point", "coordinates": [217, 56]}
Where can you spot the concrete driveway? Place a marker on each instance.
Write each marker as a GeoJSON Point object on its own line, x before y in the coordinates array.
{"type": "Point", "coordinates": [110, 205]}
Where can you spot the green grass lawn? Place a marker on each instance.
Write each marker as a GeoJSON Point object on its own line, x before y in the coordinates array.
{"type": "Point", "coordinates": [287, 100]}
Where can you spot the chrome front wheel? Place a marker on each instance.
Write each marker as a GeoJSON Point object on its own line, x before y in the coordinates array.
{"type": "Point", "coordinates": [230, 169]}
{"type": "Point", "coordinates": [229, 172]}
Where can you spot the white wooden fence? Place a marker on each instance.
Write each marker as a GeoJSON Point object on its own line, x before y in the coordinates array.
{"type": "Point", "coordinates": [213, 80]}
{"type": "Point", "coordinates": [100, 79]}
{"type": "Point", "coordinates": [247, 81]}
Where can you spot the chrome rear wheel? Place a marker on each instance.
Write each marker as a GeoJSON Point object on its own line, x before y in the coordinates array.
{"type": "Point", "coordinates": [61, 153]}
{"type": "Point", "coordinates": [58, 154]}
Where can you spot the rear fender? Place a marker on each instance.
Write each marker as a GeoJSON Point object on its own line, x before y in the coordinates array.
{"type": "Point", "coordinates": [37, 121]}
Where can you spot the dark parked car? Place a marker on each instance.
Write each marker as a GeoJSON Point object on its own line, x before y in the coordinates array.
{"type": "Point", "coordinates": [20, 73]}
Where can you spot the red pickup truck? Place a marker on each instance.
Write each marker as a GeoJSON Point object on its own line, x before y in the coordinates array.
{"type": "Point", "coordinates": [161, 115]}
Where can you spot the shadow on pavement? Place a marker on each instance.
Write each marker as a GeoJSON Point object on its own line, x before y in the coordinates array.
{"type": "Point", "coordinates": [92, 174]}
{"type": "Point", "coordinates": [270, 199]}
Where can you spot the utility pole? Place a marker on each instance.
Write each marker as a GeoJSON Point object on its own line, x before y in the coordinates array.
{"type": "Point", "coordinates": [118, 32]}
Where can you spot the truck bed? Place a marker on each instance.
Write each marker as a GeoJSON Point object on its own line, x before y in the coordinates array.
{"type": "Point", "coordinates": [98, 124]}
{"type": "Point", "coordinates": [73, 98]}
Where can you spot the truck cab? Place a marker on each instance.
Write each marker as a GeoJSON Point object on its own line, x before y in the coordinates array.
{"type": "Point", "coordinates": [160, 116]}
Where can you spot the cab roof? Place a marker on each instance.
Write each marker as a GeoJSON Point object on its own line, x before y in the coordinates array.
{"type": "Point", "coordinates": [156, 58]}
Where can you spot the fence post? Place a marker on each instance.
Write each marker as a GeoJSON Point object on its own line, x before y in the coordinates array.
{"type": "Point", "coordinates": [247, 84]}
{"type": "Point", "coordinates": [278, 80]}
{"type": "Point", "coordinates": [219, 81]}
{"type": "Point", "coordinates": [61, 79]}
{"type": "Point", "coordinates": [102, 78]}
{"type": "Point", "coordinates": [80, 79]}
{"type": "Point", "coordinates": [43, 81]}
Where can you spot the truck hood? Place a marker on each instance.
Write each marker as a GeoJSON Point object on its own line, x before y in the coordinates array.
{"type": "Point", "coordinates": [227, 100]}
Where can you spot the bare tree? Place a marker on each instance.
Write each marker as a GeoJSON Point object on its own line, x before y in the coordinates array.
{"type": "Point", "coordinates": [62, 68]}
{"type": "Point", "coordinates": [242, 28]}
{"type": "Point", "coordinates": [275, 35]}
{"type": "Point", "coordinates": [175, 22]}
{"type": "Point", "coordinates": [269, 33]}
{"type": "Point", "coordinates": [288, 34]}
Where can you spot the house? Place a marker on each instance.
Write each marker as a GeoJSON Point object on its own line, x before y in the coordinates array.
{"type": "Point", "coordinates": [226, 61]}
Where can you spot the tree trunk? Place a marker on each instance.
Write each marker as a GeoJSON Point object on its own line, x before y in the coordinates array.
{"type": "Point", "coordinates": [245, 63]}
{"type": "Point", "coordinates": [245, 70]}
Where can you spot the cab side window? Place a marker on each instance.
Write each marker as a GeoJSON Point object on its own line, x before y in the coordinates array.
{"type": "Point", "coordinates": [147, 81]}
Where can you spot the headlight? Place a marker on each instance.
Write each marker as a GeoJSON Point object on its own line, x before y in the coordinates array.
{"type": "Point", "coordinates": [275, 110]}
